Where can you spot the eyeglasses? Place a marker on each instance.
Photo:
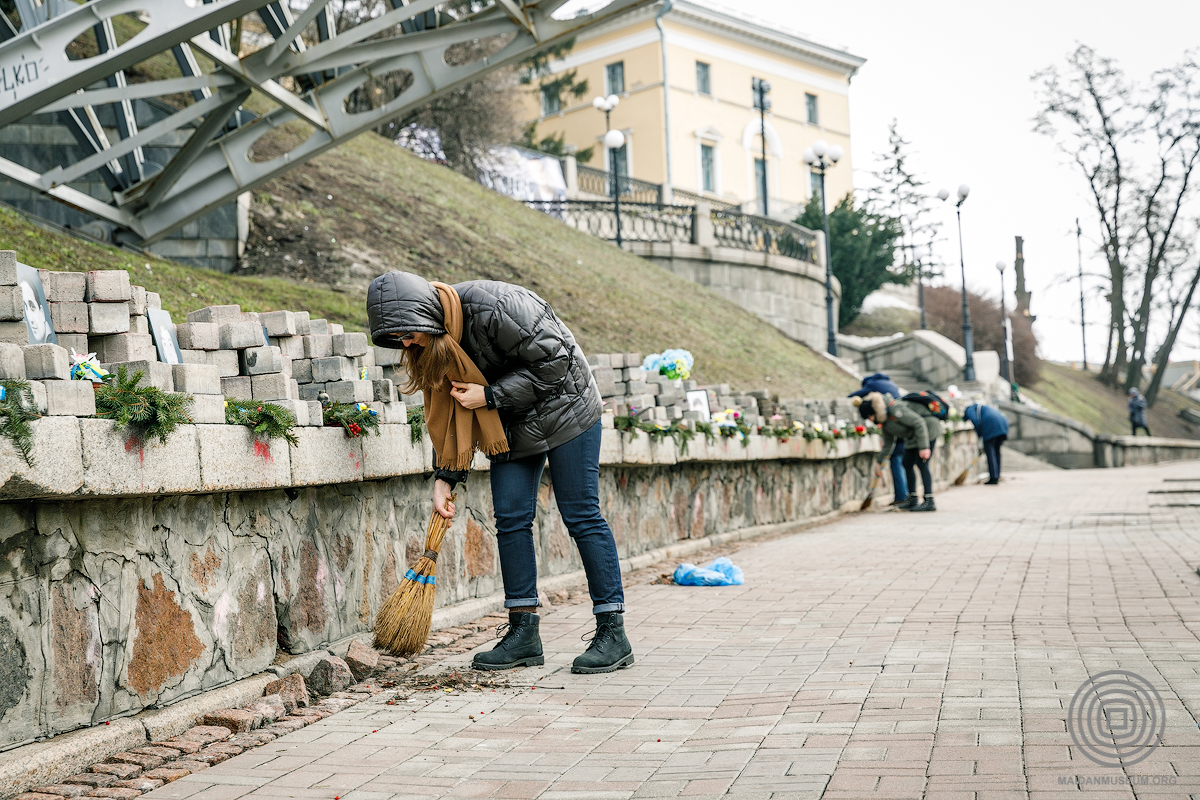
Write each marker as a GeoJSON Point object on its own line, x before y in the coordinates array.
{"type": "Point", "coordinates": [407, 337]}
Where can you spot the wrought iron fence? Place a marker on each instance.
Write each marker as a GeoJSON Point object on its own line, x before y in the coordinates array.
{"type": "Point", "coordinates": [640, 222]}
{"type": "Point", "coordinates": [685, 197]}
{"type": "Point", "coordinates": [763, 235]}
{"type": "Point", "coordinates": [600, 182]}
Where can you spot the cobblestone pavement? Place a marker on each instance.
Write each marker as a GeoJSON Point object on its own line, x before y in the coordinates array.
{"type": "Point", "coordinates": [881, 655]}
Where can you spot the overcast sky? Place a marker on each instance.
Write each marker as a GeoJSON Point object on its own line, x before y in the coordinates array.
{"type": "Point", "coordinates": [956, 76]}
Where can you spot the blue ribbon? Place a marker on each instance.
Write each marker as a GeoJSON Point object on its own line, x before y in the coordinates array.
{"type": "Point", "coordinates": [415, 578]}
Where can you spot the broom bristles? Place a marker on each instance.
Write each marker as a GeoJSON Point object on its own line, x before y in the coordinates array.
{"type": "Point", "coordinates": [403, 622]}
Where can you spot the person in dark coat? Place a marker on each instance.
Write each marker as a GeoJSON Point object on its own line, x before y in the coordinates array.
{"type": "Point", "coordinates": [992, 428]}
{"type": "Point", "coordinates": [880, 382]}
{"type": "Point", "coordinates": [539, 383]}
{"type": "Point", "coordinates": [915, 425]}
{"type": "Point", "coordinates": [1137, 412]}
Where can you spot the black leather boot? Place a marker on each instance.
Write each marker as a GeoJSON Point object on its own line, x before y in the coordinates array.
{"type": "Point", "coordinates": [909, 503]}
{"type": "Point", "coordinates": [520, 647]}
{"type": "Point", "coordinates": [609, 650]}
{"type": "Point", "coordinates": [927, 505]}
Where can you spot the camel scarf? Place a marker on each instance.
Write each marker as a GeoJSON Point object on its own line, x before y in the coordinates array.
{"type": "Point", "coordinates": [458, 432]}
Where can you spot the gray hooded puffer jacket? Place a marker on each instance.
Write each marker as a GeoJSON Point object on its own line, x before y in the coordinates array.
{"type": "Point", "coordinates": [539, 377]}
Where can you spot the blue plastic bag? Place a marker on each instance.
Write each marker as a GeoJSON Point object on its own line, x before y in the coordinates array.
{"type": "Point", "coordinates": [721, 572]}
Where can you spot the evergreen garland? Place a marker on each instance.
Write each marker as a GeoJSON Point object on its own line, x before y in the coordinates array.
{"type": "Point", "coordinates": [146, 411]}
{"type": "Point", "coordinates": [17, 409]}
{"type": "Point", "coordinates": [350, 418]}
{"type": "Point", "coordinates": [416, 418]}
{"type": "Point", "coordinates": [631, 424]}
{"type": "Point", "coordinates": [266, 420]}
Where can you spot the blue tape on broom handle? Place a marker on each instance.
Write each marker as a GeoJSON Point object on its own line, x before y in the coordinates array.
{"type": "Point", "coordinates": [415, 578]}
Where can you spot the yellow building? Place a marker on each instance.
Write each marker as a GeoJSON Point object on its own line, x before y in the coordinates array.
{"type": "Point", "coordinates": [704, 137]}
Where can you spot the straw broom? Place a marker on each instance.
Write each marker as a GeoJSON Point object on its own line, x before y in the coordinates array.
{"type": "Point", "coordinates": [403, 622]}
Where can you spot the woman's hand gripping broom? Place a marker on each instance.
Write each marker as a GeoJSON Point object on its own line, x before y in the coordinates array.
{"type": "Point", "coordinates": [403, 622]}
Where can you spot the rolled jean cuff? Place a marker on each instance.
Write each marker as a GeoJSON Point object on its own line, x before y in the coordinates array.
{"type": "Point", "coordinates": [521, 603]}
{"type": "Point", "coordinates": [606, 607]}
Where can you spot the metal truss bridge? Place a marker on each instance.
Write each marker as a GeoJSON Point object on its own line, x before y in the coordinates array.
{"type": "Point", "coordinates": [307, 72]}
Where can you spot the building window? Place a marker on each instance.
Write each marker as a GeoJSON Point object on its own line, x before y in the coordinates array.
{"type": "Point", "coordinates": [708, 168]}
{"type": "Point", "coordinates": [760, 184]}
{"type": "Point", "coordinates": [703, 78]}
{"type": "Point", "coordinates": [551, 102]}
{"type": "Point", "coordinates": [614, 77]}
{"type": "Point", "coordinates": [810, 104]}
{"type": "Point", "coordinates": [814, 182]}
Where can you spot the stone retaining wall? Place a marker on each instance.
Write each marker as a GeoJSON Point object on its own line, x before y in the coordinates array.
{"type": "Point", "coordinates": [134, 577]}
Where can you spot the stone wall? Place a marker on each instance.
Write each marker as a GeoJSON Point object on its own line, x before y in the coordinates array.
{"type": "Point", "coordinates": [133, 577]}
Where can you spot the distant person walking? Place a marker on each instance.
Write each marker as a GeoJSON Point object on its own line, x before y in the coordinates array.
{"type": "Point", "coordinates": [882, 383]}
{"type": "Point", "coordinates": [1137, 412]}
{"type": "Point", "coordinates": [913, 424]}
{"type": "Point", "coordinates": [992, 428]}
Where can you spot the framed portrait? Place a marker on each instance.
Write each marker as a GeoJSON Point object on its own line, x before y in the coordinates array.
{"type": "Point", "coordinates": [37, 310]}
{"type": "Point", "coordinates": [697, 400]}
{"type": "Point", "coordinates": [162, 329]}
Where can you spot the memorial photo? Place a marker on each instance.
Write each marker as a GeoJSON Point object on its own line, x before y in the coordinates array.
{"type": "Point", "coordinates": [33, 301]}
{"type": "Point", "coordinates": [163, 331]}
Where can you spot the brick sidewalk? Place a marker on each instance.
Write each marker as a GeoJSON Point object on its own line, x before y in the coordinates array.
{"type": "Point", "coordinates": [885, 655]}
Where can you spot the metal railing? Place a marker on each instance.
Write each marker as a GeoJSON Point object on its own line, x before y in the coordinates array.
{"type": "Point", "coordinates": [640, 222]}
{"type": "Point", "coordinates": [763, 235]}
{"type": "Point", "coordinates": [600, 182]}
{"type": "Point", "coordinates": [684, 197]}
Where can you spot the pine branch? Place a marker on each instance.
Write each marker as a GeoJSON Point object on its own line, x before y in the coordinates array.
{"type": "Point", "coordinates": [17, 409]}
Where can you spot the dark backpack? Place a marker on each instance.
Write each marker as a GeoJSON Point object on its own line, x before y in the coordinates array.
{"type": "Point", "coordinates": [936, 405]}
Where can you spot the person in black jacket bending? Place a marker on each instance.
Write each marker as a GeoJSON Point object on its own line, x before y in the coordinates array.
{"type": "Point", "coordinates": [539, 381]}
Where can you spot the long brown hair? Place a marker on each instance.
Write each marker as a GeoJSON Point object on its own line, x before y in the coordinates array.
{"type": "Point", "coordinates": [426, 366]}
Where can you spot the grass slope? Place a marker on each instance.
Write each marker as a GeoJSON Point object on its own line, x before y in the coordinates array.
{"type": "Point", "coordinates": [1077, 394]}
{"type": "Point", "coordinates": [370, 206]}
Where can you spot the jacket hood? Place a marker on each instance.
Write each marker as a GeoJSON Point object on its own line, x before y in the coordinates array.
{"type": "Point", "coordinates": [972, 414]}
{"type": "Point", "coordinates": [873, 405]}
{"type": "Point", "coordinates": [400, 302]}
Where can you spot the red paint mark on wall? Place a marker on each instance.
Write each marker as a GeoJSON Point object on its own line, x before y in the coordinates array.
{"type": "Point", "coordinates": [132, 444]}
{"type": "Point", "coordinates": [263, 451]}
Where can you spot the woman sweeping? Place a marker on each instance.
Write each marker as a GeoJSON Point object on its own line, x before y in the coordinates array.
{"type": "Point", "coordinates": [913, 424]}
{"type": "Point", "coordinates": [502, 374]}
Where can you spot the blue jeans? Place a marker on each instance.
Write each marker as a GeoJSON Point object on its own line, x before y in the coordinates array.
{"type": "Point", "coordinates": [899, 484]}
{"type": "Point", "coordinates": [991, 448]}
{"type": "Point", "coordinates": [575, 478]}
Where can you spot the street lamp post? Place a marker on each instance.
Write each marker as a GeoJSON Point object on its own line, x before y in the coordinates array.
{"type": "Point", "coordinates": [1005, 369]}
{"type": "Point", "coordinates": [821, 157]}
{"type": "Point", "coordinates": [613, 141]}
{"type": "Point", "coordinates": [761, 89]}
{"type": "Point", "coordinates": [920, 252]}
{"type": "Point", "coordinates": [968, 334]}
{"type": "Point", "coordinates": [1082, 311]}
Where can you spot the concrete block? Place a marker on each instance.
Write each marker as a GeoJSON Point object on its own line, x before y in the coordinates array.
{"type": "Point", "coordinates": [392, 413]}
{"type": "Point", "coordinates": [367, 359]}
{"type": "Point", "coordinates": [318, 345]}
{"type": "Point", "coordinates": [386, 356]}
{"type": "Point", "coordinates": [336, 329]}
{"type": "Point", "coordinates": [318, 327]}
{"type": "Point", "coordinates": [260, 360]}
{"type": "Point", "coordinates": [371, 374]}
{"type": "Point", "coordinates": [299, 409]}
{"type": "Point", "coordinates": [107, 318]}
{"type": "Point", "coordinates": [216, 314]}
{"type": "Point", "coordinates": [269, 386]}
{"type": "Point", "coordinates": [137, 301]}
{"type": "Point", "coordinates": [617, 361]}
{"type": "Point", "coordinates": [38, 390]}
{"type": "Point", "coordinates": [350, 391]}
{"type": "Point", "coordinates": [278, 323]}
{"type": "Point", "coordinates": [12, 361]}
{"type": "Point", "coordinates": [107, 286]}
{"type": "Point", "coordinates": [57, 459]}
{"type": "Point", "coordinates": [232, 458]}
{"type": "Point", "coordinates": [302, 370]}
{"type": "Point", "coordinates": [153, 300]}
{"type": "Point", "coordinates": [326, 455]}
{"type": "Point", "coordinates": [8, 267]}
{"type": "Point", "coordinates": [303, 328]}
{"type": "Point", "coordinates": [316, 414]}
{"type": "Point", "coordinates": [77, 342]}
{"type": "Point", "coordinates": [599, 360]}
{"type": "Point", "coordinates": [237, 388]}
{"type": "Point", "coordinates": [239, 334]}
{"type": "Point", "coordinates": [334, 368]}
{"type": "Point", "coordinates": [391, 453]}
{"type": "Point", "coordinates": [14, 333]}
{"type": "Point", "coordinates": [208, 409]}
{"type": "Point", "coordinates": [349, 344]}
{"type": "Point", "coordinates": [310, 391]}
{"type": "Point", "coordinates": [193, 356]}
{"type": "Point", "coordinates": [123, 347]}
{"type": "Point", "coordinates": [154, 373]}
{"type": "Point", "coordinates": [138, 324]}
{"type": "Point", "coordinates": [384, 391]}
{"type": "Point", "coordinates": [12, 308]}
{"type": "Point", "coordinates": [70, 399]}
{"type": "Point", "coordinates": [291, 346]}
{"type": "Point", "coordinates": [65, 317]}
{"type": "Point", "coordinates": [611, 446]}
{"type": "Point", "coordinates": [196, 378]}
{"type": "Point", "coordinates": [198, 336]}
{"type": "Point", "coordinates": [63, 287]}
{"type": "Point", "coordinates": [226, 362]}
{"type": "Point", "coordinates": [114, 463]}
{"type": "Point", "coordinates": [46, 362]}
